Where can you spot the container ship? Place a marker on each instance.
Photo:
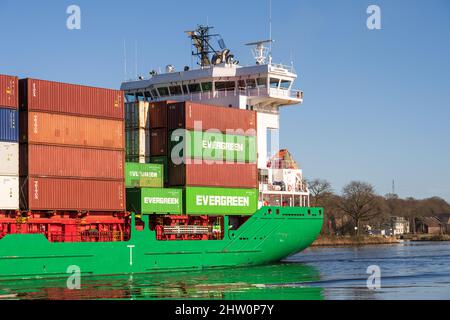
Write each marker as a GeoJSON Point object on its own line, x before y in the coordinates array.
{"type": "Point", "coordinates": [174, 172]}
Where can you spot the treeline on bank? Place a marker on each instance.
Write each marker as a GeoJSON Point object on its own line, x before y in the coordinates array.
{"type": "Point", "coordinates": [358, 206]}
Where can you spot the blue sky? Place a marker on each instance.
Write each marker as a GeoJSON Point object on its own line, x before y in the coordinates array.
{"type": "Point", "coordinates": [377, 103]}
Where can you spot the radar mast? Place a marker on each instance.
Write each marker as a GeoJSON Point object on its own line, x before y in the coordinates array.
{"type": "Point", "coordinates": [204, 50]}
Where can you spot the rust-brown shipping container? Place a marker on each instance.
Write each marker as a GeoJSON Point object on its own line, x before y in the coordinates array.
{"type": "Point", "coordinates": [235, 175]}
{"type": "Point", "coordinates": [63, 98]}
{"type": "Point", "coordinates": [158, 114]}
{"type": "Point", "coordinates": [57, 129]}
{"type": "Point", "coordinates": [49, 194]}
{"type": "Point", "coordinates": [184, 115]}
{"type": "Point", "coordinates": [158, 142]}
{"type": "Point", "coordinates": [71, 162]}
{"type": "Point", "coordinates": [9, 92]}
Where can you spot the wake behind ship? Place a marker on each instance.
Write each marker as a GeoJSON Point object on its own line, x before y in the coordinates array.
{"type": "Point", "coordinates": [174, 172]}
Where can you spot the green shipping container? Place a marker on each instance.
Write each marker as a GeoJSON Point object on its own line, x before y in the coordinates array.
{"type": "Point", "coordinates": [164, 161]}
{"type": "Point", "coordinates": [137, 142]}
{"type": "Point", "coordinates": [212, 146]}
{"type": "Point", "coordinates": [221, 201]}
{"type": "Point", "coordinates": [155, 201]}
{"type": "Point", "coordinates": [144, 175]}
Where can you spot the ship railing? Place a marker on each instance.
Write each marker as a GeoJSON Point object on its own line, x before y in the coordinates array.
{"type": "Point", "coordinates": [190, 229]}
{"type": "Point", "coordinates": [250, 92]}
{"type": "Point", "coordinates": [85, 236]}
{"type": "Point", "coordinates": [283, 199]}
{"type": "Point", "coordinates": [89, 236]}
{"type": "Point", "coordinates": [289, 68]}
{"type": "Point", "coordinates": [290, 94]}
{"type": "Point", "coordinates": [257, 92]}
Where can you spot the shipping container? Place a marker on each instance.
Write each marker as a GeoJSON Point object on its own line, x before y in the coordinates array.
{"type": "Point", "coordinates": [164, 161]}
{"type": "Point", "coordinates": [212, 146]}
{"type": "Point", "coordinates": [9, 159]}
{"type": "Point", "coordinates": [221, 201]}
{"type": "Point", "coordinates": [56, 129]}
{"type": "Point", "coordinates": [9, 193]}
{"type": "Point", "coordinates": [158, 142]}
{"type": "Point", "coordinates": [49, 194]}
{"type": "Point", "coordinates": [158, 114]}
{"type": "Point", "coordinates": [9, 92]}
{"type": "Point", "coordinates": [9, 125]}
{"type": "Point", "coordinates": [137, 143]}
{"type": "Point", "coordinates": [71, 162]}
{"type": "Point", "coordinates": [201, 117]}
{"type": "Point", "coordinates": [155, 201]}
{"type": "Point", "coordinates": [138, 175]}
{"type": "Point", "coordinates": [71, 99]}
{"type": "Point", "coordinates": [137, 115]}
{"type": "Point", "coordinates": [235, 175]}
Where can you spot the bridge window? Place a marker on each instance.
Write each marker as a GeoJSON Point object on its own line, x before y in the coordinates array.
{"type": "Point", "coordinates": [274, 83]}
{"type": "Point", "coordinates": [155, 94]}
{"type": "Point", "coordinates": [175, 91]}
{"type": "Point", "coordinates": [163, 91]}
{"type": "Point", "coordinates": [285, 84]}
{"type": "Point", "coordinates": [251, 83]}
{"type": "Point", "coordinates": [130, 97]}
{"type": "Point", "coordinates": [185, 89]}
{"type": "Point", "coordinates": [148, 96]}
{"type": "Point", "coordinates": [241, 84]}
{"type": "Point", "coordinates": [225, 85]}
{"type": "Point", "coordinates": [207, 86]}
{"type": "Point", "coordinates": [262, 82]}
{"type": "Point", "coordinates": [194, 88]}
{"type": "Point", "coordinates": [140, 96]}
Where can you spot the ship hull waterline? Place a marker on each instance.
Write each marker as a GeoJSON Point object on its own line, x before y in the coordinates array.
{"type": "Point", "coordinates": [270, 235]}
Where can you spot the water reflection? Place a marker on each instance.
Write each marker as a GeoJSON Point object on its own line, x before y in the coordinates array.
{"type": "Point", "coordinates": [274, 282]}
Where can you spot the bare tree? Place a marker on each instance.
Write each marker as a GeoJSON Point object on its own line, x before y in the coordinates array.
{"type": "Point", "coordinates": [359, 202]}
{"type": "Point", "coordinates": [322, 196]}
{"type": "Point", "coordinates": [320, 191]}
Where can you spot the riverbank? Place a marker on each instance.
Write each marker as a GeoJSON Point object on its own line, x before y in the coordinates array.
{"type": "Point", "coordinates": [324, 241]}
{"type": "Point", "coordinates": [427, 237]}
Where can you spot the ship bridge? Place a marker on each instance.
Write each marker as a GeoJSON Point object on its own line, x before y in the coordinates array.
{"type": "Point", "coordinates": [262, 88]}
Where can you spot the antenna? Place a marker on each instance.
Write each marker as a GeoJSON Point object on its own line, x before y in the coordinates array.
{"type": "Point", "coordinates": [270, 31]}
{"type": "Point", "coordinates": [135, 59]}
{"type": "Point", "coordinates": [125, 59]}
{"type": "Point", "coordinates": [292, 59]}
{"type": "Point", "coordinates": [260, 52]}
{"type": "Point", "coordinates": [393, 186]}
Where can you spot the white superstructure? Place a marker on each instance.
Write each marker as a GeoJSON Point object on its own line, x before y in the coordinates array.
{"type": "Point", "coordinates": [220, 80]}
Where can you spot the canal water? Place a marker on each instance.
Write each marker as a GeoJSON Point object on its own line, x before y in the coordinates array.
{"type": "Point", "coordinates": [410, 270]}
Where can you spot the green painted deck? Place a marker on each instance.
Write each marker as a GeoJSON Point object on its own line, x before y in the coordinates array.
{"type": "Point", "coordinates": [264, 238]}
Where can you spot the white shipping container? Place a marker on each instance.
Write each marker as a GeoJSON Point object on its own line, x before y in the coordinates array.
{"type": "Point", "coordinates": [137, 115]}
{"type": "Point", "coordinates": [9, 193]}
{"type": "Point", "coordinates": [9, 159]}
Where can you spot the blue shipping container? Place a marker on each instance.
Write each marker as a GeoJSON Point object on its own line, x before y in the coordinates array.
{"type": "Point", "coordinates": [9, 125]}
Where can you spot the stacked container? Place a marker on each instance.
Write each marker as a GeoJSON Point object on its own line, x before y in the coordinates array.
{"type": "Point", "coordinates": [137, 132]}
{"type": "Point", "coordinates": [159, 143]}
{"type": "Point", "coordinates": [72, 147]}
{"type": "Point", "coordinates": [146, 125]}
{"type": "Point", "coordinates": [9, 147]}
{"type": "Point", "coordinates": [213, 156]}
{"type": "Point", "coordinates": [218, 146]}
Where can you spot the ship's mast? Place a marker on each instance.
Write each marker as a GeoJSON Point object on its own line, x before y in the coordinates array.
{"type": "Point", "coordinates": [201, 42]}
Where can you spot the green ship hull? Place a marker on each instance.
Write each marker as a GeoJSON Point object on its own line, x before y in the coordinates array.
{"type": "Point", "coordinates": [270, 235]}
